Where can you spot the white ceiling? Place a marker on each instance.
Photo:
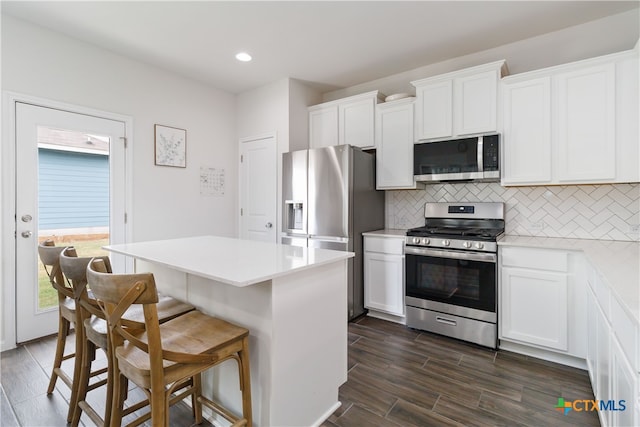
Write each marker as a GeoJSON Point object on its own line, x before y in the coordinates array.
{"type": "Point", "coordinates": [333, 44]}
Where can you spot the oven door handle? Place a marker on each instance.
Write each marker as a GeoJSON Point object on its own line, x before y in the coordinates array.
{"type": "Point", "coordinates": [470, 256]}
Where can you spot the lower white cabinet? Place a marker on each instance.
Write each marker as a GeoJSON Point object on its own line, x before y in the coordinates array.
{"type": "Point", "coordinates": [554, 304]}
{"type": "Point", "coordinates": [384, 274]}
{"type": "Point", "coordinates": [534, 307]}
{"type": "Point", "coordinates": [541, 301]}
{"type": "Point", "coordinates": [624, 387]}
{"type": "Point", "coordinates": [614, 378]}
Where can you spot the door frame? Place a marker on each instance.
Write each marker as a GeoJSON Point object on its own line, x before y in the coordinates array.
{"type": "Point", "coordinates": [8, 197]}
{"type": "Point", "coordinates": [241, 183]}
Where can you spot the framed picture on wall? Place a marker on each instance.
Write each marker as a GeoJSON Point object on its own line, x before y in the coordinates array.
{"type": "Point", "coordinates": [170, 146]}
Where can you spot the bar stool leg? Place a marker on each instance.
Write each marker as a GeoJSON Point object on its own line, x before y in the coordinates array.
{"type": "Point", "coordinates": [77, 367]}
{"type": "Point", "coordinates": [245, 381]}
{"type": "Point", "coordinates": [63, 331]}
{"type": "Point", "coordinates": [195, 401]}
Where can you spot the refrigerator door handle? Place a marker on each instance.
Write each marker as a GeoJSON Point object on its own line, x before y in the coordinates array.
{"type": "Point", "coordinates": [329, 238]}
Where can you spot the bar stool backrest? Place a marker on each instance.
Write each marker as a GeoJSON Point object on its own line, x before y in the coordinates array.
{"type": "Point", "coordinates": [116, 293]}
{"type": "Point", "coordinates": [74, 269]}
{"type": "Point", "coordinates": [50, 257]}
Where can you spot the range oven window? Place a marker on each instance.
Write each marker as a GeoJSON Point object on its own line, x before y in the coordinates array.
{"type": "Point", "coordinates": [464, 283]}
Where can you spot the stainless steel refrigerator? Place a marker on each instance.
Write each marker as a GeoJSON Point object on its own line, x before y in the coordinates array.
{"type": "Point", "coordinates": [329, 199]}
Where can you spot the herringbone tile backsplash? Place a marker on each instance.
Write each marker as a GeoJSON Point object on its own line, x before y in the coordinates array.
{"type": "Point", "coordinates": [608, 212]}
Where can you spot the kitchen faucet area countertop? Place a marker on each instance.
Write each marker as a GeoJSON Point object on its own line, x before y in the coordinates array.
{"type": "Point", "coordinates": [232, 261]}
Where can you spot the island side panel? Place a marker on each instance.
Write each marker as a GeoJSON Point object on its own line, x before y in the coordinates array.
{"type": "Point", "coordinates": [309, 347]}
{"type": "Point", "coordinates": [249, 307]}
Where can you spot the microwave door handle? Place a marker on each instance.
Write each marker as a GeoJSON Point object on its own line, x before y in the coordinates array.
{"type": "Point", "coordinates": [480, 154]}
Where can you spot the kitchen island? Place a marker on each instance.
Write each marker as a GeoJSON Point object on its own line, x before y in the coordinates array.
{"type": "Point", "coordinates": [293, 300]}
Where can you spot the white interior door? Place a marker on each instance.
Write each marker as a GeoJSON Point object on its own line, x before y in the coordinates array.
{"type": "Point", "coordinates": [258, 189]}
{"type": "Point", "coordinates": [63, 193]}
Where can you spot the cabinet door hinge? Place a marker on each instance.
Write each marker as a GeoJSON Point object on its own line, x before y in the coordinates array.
{"type": "Point", "coordinates": [125, 217]}
{"type": "Point", "coordinates": [124, 140]}
{"type": "Point", "coordinates": [241, 158]}
{"type": "Point", "coordinates": [241, 212]}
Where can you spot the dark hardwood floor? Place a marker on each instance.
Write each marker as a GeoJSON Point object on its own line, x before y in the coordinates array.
{"type": "Point", "coordinates": [397, 377]}
{"type": "Point", "coordinates": [402, 377]}
{"type": "Point", "coordinates": [24, 376]}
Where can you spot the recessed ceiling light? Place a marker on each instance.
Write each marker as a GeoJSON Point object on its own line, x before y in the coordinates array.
{"type": "Point", "coordinates": [243, 56]}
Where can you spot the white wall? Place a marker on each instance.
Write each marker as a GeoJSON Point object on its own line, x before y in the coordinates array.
{"type": "Point", "coordinates": [301, 96]}
{"type": "Point", "coordinates": [166, 201]}
{"type": "Point", "coordinates": [608, 35]}
{"type": "Point", "coordinates": [280, 108]}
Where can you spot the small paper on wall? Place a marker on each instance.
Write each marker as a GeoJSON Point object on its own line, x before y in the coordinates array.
{"type": "Point", "coordinates": [211, 181]}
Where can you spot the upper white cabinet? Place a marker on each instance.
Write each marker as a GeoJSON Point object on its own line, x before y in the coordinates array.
{"type": "Point", "coordinates": [527, 128]}
{"type": "Point", "coordinates": [394, 142]}
{"type": "Point", "coordinates": [572, 124]}
{"type": "Point", "coordinates": [586, 124]}
{"type": "Point", "coordinates": [459, 103]}
{"type": "Point", "coordinates": [323, 126]}
{"type": "Point", "coordinates": [345, 121]}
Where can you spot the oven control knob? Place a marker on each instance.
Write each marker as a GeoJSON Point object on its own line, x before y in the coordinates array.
{"type": "Point", "coordinates": [446, 243]}
{"type": "Point", "coordinates": [479, 245]}
{"type": "Point", "coordinates": [416, 240]}
{"type": "Point", "coordinates": [425, 241]}
{"type": "Point", "coordinates": [466, 245]}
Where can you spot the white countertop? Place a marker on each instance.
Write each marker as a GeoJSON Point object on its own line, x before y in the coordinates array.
{"type": "Point", "coordinates": [387, 232]}
{"type": "Point", "coordinates": [232, 261]}
{"type": "Point", "coordinates": [618, 263]}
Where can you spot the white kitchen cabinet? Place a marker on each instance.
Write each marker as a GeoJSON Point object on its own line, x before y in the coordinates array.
{"type": "Point", "coordinates": [526, 133]}
{"type": "Point", "coordinates": [384, 275]}
{"type": "Point", "coordinates": [348, 120]}
{"type": "Point", "coordinates": [534, 307]}
{"type": "Point", "coordinates": [475, 102]}
{"type": "Point", "coordinates": [394, 142]}
{"type": "Point", "coordinates": [542, 303]}
{"type": "Point", "coordinates": [612, 355]}
{"type": "Point", "coordinates": [592, 340]}
{"type": "Point", "coordinates": [603, 361]}
{"type": "Point", "coordinates": [624, 386]}
{"type": "Point", "coordinates": [572, 124]}
{"type": "Point", "coordinates": [458, 103]}
{"type": "Point", "coordinates": [356, 121]}
{"type": "Point", "coordinates": [434, 109]}
{"type": "Point", "coordinates": [323, 126]}
{"type": "Point", "coordinates": [586, 124]}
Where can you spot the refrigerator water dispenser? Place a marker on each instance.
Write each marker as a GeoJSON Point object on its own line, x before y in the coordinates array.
{"type": "Point", "coordinates": [295, 218]}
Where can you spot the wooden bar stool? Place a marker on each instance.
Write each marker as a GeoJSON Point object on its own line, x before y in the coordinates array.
{"type": "Point", "coordinates": [169, 357]}
{"type": "Point", "coordinates": [94, 332]}
{"type": "Point", "coordinates": [50, 257]}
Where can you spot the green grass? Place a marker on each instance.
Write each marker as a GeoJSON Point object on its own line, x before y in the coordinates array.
{"type": "Point", "coordinates": [47, 296]}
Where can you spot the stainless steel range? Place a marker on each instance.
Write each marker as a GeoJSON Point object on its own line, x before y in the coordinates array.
{"type": "Point", "coordinates": [451, 271]}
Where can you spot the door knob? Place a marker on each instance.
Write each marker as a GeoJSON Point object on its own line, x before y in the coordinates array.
{"type": "Point", "coordinates": [26, 218]}
{"type": "Point", "coordinates": [26, 234]}
{"type": "Point", "coordinates": [268, 225]}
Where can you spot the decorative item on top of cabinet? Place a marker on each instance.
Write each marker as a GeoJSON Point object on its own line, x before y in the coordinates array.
{"type": "Point", "coordinates": [394, 142]}
{"type": "Point", "coordinates": [384, 276]}
{"type": "Point", "coordinates": [344, 121]}
{"type": "Point", "coordinates": [572, 124]}
{"type": "Point", "coordinates": [459, 103]}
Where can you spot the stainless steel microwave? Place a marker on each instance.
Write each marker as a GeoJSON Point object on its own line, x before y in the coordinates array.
{"type": "Point", "coordinates": [465, 159]}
